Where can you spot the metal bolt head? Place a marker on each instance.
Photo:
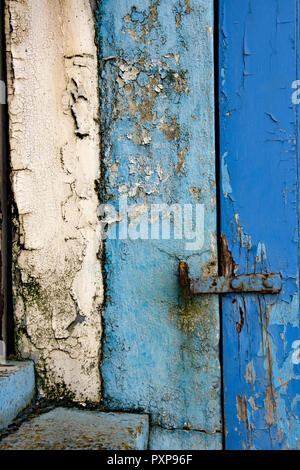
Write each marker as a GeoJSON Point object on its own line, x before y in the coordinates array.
{"type": "Point", "coordinates": [236, 284]}
{"type": "Point", "coordinates": [268, 283]}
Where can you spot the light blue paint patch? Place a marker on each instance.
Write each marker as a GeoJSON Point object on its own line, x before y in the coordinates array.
{"type": "Point", "coordinates": [261, 252]}
{"type": "Point", "coordinates": [223, 75]}
{"type": "Point", "coordinates": [17, 390]}
{"type": "Point", "coordinates": [227, 189]}
{"type": "Point", "coordinates": [164, 439]}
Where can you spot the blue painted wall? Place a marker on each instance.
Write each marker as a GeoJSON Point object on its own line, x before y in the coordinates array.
{"type": "Point", "coordinates": [17, 390]}
{"type": "Point", "coordinates": [160, 350]}
{"type": "Point", "coordinates": [259, 216]}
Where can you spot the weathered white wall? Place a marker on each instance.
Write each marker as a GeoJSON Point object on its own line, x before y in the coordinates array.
{"type": "Point", "coordinates": [54, 138]}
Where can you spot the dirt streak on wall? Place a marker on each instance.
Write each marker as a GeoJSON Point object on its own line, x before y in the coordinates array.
{"type": "Point", "coordinates": [54, 140]}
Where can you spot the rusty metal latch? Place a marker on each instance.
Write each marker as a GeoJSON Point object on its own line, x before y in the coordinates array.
{"type": "Point", "coordinates": [246, 283]}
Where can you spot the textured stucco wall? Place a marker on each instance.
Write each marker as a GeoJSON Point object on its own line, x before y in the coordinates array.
{"type": "Point", "coordinates": [54, 139]}
{"type": "Point", "coordinates": [160, 347]}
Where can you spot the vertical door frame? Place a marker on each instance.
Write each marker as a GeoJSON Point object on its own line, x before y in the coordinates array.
{"type": "Point", "coordinates": [6, 310]}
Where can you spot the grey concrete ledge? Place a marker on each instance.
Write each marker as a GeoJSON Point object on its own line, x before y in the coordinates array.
{"type": "Point", "coordinates": [17, 390]}
{"type": "Point", "coordinates": [73, 429]}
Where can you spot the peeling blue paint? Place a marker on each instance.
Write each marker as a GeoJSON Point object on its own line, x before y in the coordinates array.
{"type": "Point", "coordinates": [258, 45]}
{"type": "Point", "coordinates": [160, 351]}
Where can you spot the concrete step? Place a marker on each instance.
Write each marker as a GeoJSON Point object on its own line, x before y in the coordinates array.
{"type": "Point", "coordinates": [73, 429]}
{"type": "Point", "coordinates": [17, 390]}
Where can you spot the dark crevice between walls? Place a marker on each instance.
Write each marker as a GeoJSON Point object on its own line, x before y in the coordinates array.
{"type": "Point", "coordinates": [100, 189]}
{"type": "Point", "coordinates": [218, 186]}
{"type": "Point", "coordinates": [6, 307]}
{"type": "Point", "coordinates": [94, 5]}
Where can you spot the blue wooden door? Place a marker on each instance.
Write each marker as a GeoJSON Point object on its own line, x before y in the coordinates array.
{"type": "Point", "coordinates": [259, 44]}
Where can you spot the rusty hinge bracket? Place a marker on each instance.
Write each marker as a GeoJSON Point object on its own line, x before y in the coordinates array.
{"type": "Point", "coordinates": [246, 283]}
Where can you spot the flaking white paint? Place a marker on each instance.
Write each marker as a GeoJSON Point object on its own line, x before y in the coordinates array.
{"type": "Point", "coordinates": [54, 139]}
